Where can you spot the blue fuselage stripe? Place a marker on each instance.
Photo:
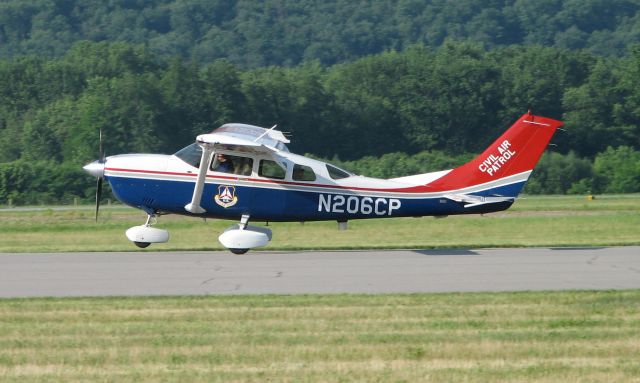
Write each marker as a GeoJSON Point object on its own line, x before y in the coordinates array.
{"type": "Point", "coordinates": [281, 204]}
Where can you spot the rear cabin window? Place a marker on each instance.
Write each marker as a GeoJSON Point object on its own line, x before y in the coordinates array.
{"type": "Point", "coordinates": [303, 173]}
{"type": "Point", "coordinates": [337, 173]}
{"type": "Point", "coordinates": [270, 169]}
{"type": "Point", "coordinates": [238, 165]}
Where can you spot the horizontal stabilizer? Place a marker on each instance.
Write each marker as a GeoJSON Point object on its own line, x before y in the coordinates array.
{"type": "Point", "coordinates": [471, 200]}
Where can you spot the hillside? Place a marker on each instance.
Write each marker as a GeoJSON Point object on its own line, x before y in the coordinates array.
{"type": "Point", "coordinates": [287, 32]}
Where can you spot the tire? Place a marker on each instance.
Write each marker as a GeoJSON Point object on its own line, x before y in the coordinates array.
{"type": "Point", "coordinates": [142, 245]}
{"type": "Point", "coordinates": [238, 251]}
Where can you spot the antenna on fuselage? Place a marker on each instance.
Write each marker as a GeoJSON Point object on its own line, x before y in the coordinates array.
{"type": "Point", "coordinates": [265, 133]}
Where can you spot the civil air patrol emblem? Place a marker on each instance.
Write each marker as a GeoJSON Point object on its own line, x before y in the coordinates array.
{"type": "Point", "coordinates": [226, 196]}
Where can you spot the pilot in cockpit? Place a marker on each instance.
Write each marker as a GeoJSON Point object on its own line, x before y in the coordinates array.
{"type": "Point", "coordinates": [223, 164]}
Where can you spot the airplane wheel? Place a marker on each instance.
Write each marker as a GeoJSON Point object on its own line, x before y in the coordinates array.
{"type": "Point", "coordinates": [142, 245]}
{"type": "Point", "coordinates": [238, 251]}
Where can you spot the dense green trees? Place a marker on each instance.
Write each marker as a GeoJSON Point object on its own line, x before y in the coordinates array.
{"type": "Point", "coordinates": [613, 171]}
{"type": "Point", "coordinates": [432, 108]}
{"type": "Point", "coordinates": [560, 174]}
{"type": "Point", "coordinates": [287, 32]}
{"type": "Point", "coordinates": [42, 182]}
{"type": "Point", "coordinates": [617, 170]}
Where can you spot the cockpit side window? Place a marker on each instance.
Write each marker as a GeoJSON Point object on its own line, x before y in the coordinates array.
{"type": "Point", "coordinates": [190, 154]}
{"type": "Point", "coordinates": [303, 173]}
{"type": "Point", "coordinates": [226, 163]}
{"type": "Point", "coordinates": [239, 165]}
{"type": "Point", "coordinates": [270, 169]}
{"type": "Point", "coordinates": [337, 173]}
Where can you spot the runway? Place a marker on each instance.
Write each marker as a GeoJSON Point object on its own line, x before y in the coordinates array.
{"type": "Point", "coordinates": [372, 272]}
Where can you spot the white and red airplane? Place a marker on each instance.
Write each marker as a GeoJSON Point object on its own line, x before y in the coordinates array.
{"type": "Point", "coordinates": [245, 172]}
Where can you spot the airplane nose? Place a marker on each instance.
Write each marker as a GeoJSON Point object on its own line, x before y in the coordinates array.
{"type": "Point", "coordinates": [96, 168]}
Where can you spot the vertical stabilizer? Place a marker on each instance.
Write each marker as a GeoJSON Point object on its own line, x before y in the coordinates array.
{"type": "Point", "coordinates": [507, 161]}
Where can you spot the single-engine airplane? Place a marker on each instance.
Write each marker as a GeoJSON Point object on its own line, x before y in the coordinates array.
{"type": "Point", "coordinates": [244, 172]}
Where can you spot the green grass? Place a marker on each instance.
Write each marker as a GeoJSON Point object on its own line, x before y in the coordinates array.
{"type": "Point", "coordinates": [532, 221]}
{"type": "Point", "coordinates": [483, 337]}
{"type": "Point", "coordinates": [612, 202]}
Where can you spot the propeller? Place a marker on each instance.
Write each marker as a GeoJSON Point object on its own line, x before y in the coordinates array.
{"type": "Point", "coordinates": [98, 195]}
{"type": "Point", "coordinates": [99, 180]}
{"type": "Point", "coordinates": [96, 169]}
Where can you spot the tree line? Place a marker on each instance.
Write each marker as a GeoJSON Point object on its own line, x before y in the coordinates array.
{"type": "Point", "coordinates": [616, 170]}
{"type": "Point", "coordinates": [258, 33]}
{"type": "Point", "coordinates": [433, 107]}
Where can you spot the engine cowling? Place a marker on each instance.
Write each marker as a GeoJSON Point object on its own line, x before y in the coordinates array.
{"type": "Point", "coordinates": [236, 238]}
{"type": "Point", "coordinates": [147, 234]}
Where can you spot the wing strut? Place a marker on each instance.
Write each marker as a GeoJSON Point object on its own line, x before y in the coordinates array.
{"type": "Point", "coordinates": [205, 161]}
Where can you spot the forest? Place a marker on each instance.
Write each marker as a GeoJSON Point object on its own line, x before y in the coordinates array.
{"type": "Point", "coordinates": [412, 106]}
{"type": "Point", "coordinates": [252, 33]}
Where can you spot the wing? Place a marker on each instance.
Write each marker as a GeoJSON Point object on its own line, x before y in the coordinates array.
{"type": "Point", "coordinates": [223, 141]}
{"type": "Point", "coordinates": [236, 137]}
{"type": "Point", "coordinates": [247, 135]}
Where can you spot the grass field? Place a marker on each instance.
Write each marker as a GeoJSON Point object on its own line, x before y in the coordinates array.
{"type": "Point", "coordinates": [486, 337]}
{"type": "Point", "coordinates": [566, 336]}
{"type": "Point", "coordinates": [532, 221]}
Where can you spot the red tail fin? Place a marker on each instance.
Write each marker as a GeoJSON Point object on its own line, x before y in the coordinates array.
{"type": "Point", "coordinates": [516, 151]}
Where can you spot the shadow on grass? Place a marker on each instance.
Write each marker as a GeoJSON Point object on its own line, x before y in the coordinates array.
{"type": "Point", "coordinates": [437, 252]}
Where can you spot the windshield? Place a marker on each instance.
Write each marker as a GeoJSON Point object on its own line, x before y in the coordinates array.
{"type": "Point", "coordinates": [191, 155]}
{"type": "Point", "coordinates": [337, 173]}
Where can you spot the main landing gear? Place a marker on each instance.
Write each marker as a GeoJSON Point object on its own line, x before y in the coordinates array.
{"type": "Point", "coordinates": [238, 238]}
{"type": "Point", "coordinates": [241, 237]}
{"type": "Point", "coordinates": [144, 235]}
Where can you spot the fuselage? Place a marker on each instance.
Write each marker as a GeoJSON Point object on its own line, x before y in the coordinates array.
{"type": "Point", "coordinates": [165, 183]}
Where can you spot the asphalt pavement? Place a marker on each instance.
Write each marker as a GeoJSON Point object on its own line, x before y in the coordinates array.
{"type": "Point", "coordinates": [372, 272]}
